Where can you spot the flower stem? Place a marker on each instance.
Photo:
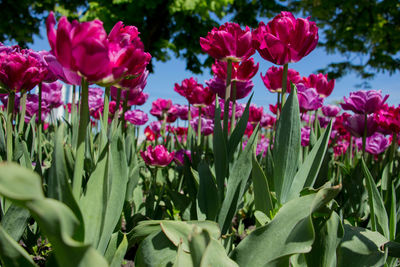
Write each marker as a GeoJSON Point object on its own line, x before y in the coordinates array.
{"type": "Point", "coordinates": [227, 97]}
{"type": "Point", "coordinates": [199, 129]}
{"type": "Point", "coordinates": [80, 151]}
{"type": "Point", "coordinates": [116, 113]}
{"type": "Point", "coordinates": [364, 139]}
{"type": "Point", "coordinates": [233, 117]}
{"type": "Point", "coordinates": [106, 108]}
{"type": "Point", "coordinates": [284, 83]}
{"type": "Point", "coordinates": [22, 108]}
{"type": "Point", "coordinates": [10, 110]}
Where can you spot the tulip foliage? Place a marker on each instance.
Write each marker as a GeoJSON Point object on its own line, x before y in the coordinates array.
{"type": "Point", "coordinates": [212, 183]}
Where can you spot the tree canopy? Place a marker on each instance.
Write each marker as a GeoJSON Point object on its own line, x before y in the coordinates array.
{"type": "Point", "coordinates": [366, 32]}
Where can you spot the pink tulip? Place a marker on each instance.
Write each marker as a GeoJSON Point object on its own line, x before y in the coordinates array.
{"type": "Point", "coordinates": [330, 111]}
{"type": "Point", "coordinates": [195, 93]}
{"type": "Point", "coordinates": [217, 85]}
{"type": "Point", "coordinates": [159, 156]}
{"type": "Point", "coordinates": [255, 114]}
{"type": "Point", "coordinates": [242, 71]}
{"type": "Point", "coordinates": [160, 107]}
{"type": "Point", "coordinates": [21, 69]}
{"type": "Point", "coordinates": [364, 102]}
{"type": "Point", "coordinates": [308, 98]}
{"type": "Point", "coordinates": [228, 42]}
{"type": "Point", "coordinates": [320, 83]}
{"type": "Point", "coordinates": [285, 39]}
{"type": "Point", "coordinates": [273, 79]}
{"type": "Point", "coordinates": [136, 117]}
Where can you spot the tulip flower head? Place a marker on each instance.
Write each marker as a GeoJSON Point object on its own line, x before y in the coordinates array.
{"type": "Point", "coordinates": [285, 39]}
{"type": "Point", "coordinates": [320, 83]}
{"type": "Point", "coordinates": [273, 79]}
{"type": "Point", "coordinates": [136, 117]}
{"type": "Point", "coordinates": [195, 92]}
{"type": "Point", "coordinates": [157, 156]}
{"type": "Point", "coordinates": [364, 102]}
{"type": "Point", "coordinates": [228, 42]}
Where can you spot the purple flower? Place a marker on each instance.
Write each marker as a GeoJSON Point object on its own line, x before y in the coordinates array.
{"type": "Point", "coordinates": [183, 111]}
{"type": "Point", "coordinates": [267, 121]}
{"type": "Point", "coordinates": [355, 125]}
{"type": "Point", "coordinates": [305, 136]}
{"type": "Point", "coordinates": [218, 86]}
{"type": "Point", "coordinates": [136, 117]}
{"type": "Point", "coordinates": [52, 94]}
{"type": "Point", "coordinates": [362, 101]}
{"type": "Point", "coordinates": [96, 101]}
{"type": "Point", "coordinates": [155, 126]}
{"type": "Point", "coordinates": [207, 125]}
{"type": "Point", "coordinates": [309, 99]}
{"type": "Point", "coordinates": [180, 156]}
{"type": "Point", "coordinates": [330, 110]}
{"type": "Point", "coordinates": [64, 74]}
{"type": "Point", "coordinates": [376, 144]}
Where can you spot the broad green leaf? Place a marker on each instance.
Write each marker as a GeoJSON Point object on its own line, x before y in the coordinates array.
{"type": "Point", "coordinates": [183, 258]}
{"type": "Point", "coordinates": [329, 234]}
{"type": "Point", "coordinates": [287, 147]}
{"type": "Point", "coordinates": [361, 247]}
{"type": "Point", "coordinates": [262, 195]}
{"type": "Point", "coordinates": [56, 220]}
{"type": "Point", "coordinates": [15, 220]}
{"type": "Point", "coordinates": [393, 214]}
{"type": "Point", "coordinates": [133, 181]}
{"type": "Point", "coordinates": [11, 253]}
{"type": "Point", "coordinates": [94, 202]}
{"type": "Point", "coordinates": [261, 218]}
{"type": "Point", "coordinates": [118, 176]}
{"type": "Point", "coordinates": [290, 232]}
{"type": "Point", "coordinates": [198, 242]}
{"type": "Point", "coordinates": [220, 154]}
{"type": "Point", "coordinates": [308, 171]}
{"type": "Point", "coordinates": [236, 185]}
{"type": "Point", "coordinates": [376, 205]}
{"type": "Point", "coordinates": [207, 195]}
{"type": "Point", "coordinates": [58, 186]}
{"type": "Point", "coordinates": [120, 253]}
{"type": "Point", "coordinates": [239, 130]}
{"type": "Point", "coordinates": [156, 250]}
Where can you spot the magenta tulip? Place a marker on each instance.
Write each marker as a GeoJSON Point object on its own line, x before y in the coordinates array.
{"type": "Point", "coordinates": [195, 93]}
{"type": "Point", "coordinates": [330, 111]}
{"type": "Point", "coordinates": [159, 156]}
{"type": "Point", "coordinates": [273, 79]}
{"type": "Point", "coordinates": [320, 83]}
{"type": "Point", "coordinates": [136, 117]}
{"type": "Point", "coordinates": [217, 85]}
{"type": "Point", "coordinates": [364, 102]}
{"type": "Point", "coordinates": [228, 42]}
{"type": "Point", "coordinates": [285, 39]}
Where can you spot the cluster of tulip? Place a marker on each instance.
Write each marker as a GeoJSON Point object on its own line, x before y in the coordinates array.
{"type": "Point", "coordinates": [193, 162]}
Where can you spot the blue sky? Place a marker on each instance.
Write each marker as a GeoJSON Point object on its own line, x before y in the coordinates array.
{"type": "Point", "coordinates": [161, 83]}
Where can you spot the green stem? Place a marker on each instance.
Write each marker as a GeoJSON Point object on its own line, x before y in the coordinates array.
{"type": "Point", "coordinates": [233, 117]}
{"type": "Point", "coordinates": [106, 108]}
{"type": "Point", "coordinates": [124, 109]}
{"type": "Point", "coordinates": [199, 129]}
{"type": "Point", "coordinates": [116, 113]}
{"type": "Point", "coordinates": [284, 83]}
{"type": "Point", "coordinates": [10, 111]}
{"type": "Point", "coordinates": [278, 105]}
{"type": "Point", "coordinates": [22, 108]}
{"type": "Point", "coordinates": [227, 97]}
{"type": "Point", "coordinates": [364, 139]}
{"type": "Point", "coordinates": [80, 151]}
{"type": "Point", "coordinates": [73, 100]}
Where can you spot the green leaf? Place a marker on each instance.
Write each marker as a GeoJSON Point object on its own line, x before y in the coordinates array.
{"type": "Point", "coordinates": [262, 195]}
{"type": "Point", "coordinates": [236, 185]}
{"type": "Point", "coordinates": [393, 214]}
{"type": "Point", "coordinates": [155, 250]}
{"type": "Point", "coordinates": [55, 219]}
{"type": "Point", "coordinates": [183, 258]}
{"type": "Point", "coordinates": [11, 253]}
{"type": "Point", "coordinates": [58, 186]}
{"type": "Point", "coordinates": [290, 232]}
{"type": "Point", "coordinates": [207, 195]}
{"type": "Point", "coordinates": [120, 253]}
{"type": "Point", "coordinates": [329, 234]}
{"type": "Point", "coordinates": [118, 176]}
{"type": "Point", "coordinates": [239, 130]}
{"type": "Point", "coordinates": [206, 251]}
{"type": "Point", "coordinates": [361, 247]}
{"type": "Point", "coordinates": [287, 147]}
{"type": "Point", "coordinates": [15, 220]}
{"type": "Point", "coordinates": [308, 172]}
{"type": "Point", "coordinates": [94, 202]}
{"type": "Point", "coordinates": [376, 205]}
{"type": "Point", "coordinates": [220, 154]}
